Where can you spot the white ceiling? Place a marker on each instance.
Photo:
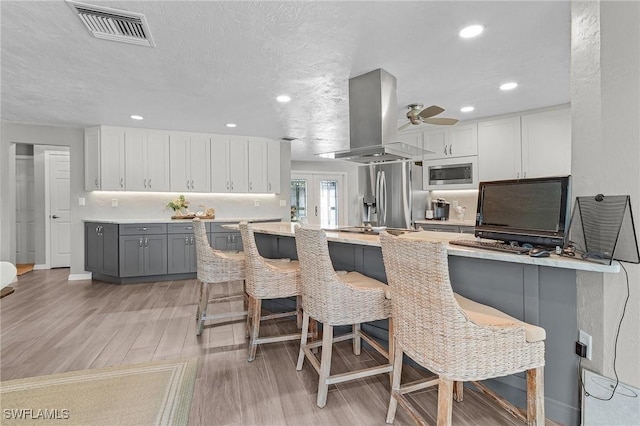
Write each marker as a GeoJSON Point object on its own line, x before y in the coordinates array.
{"type": "Point", "coordinates": [219, 62]}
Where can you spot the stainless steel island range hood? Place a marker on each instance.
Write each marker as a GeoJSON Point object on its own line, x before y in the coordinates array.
{"type": "Point", "coordinates": [373, 123]}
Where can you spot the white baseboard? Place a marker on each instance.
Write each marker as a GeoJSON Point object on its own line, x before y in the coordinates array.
{"type": "Point", "coordinates": [41, 266]}
{"type": "Point", "coordinates": [78, 277]}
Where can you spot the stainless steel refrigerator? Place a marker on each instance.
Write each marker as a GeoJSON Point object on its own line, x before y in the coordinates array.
{"type": "Point", "coordinates": [391, 194]}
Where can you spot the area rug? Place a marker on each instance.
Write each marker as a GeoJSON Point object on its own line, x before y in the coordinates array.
{"type": "Point", "coordinates": [157, 393]}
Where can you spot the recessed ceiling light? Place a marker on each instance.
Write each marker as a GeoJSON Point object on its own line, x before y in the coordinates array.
{"type": "Point", "coordinates": [508, 86]}
{"type": "Point", "coordinates": [471, 31]}
{"type": "Point", "coordinates": [283, 98]}
{"type": "Point", "coordinates": [137, 117]}
{"type": "Point", "coordinates": [231, 125]}
{"type": "Point", "coordinates": [467, 109]}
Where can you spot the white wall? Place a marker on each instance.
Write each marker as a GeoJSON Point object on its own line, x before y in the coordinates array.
{"type": "Point", "coordinates": [98, 204]}
{"type": "Point", "coordinates": [605, 96]}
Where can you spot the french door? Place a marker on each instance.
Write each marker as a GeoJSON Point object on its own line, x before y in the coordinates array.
{"type": "Point", "coordinates": [318, 199]}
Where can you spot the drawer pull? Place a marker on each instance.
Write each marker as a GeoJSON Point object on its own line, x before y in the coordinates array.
{"type": "Point", "coordinates": [143, 229]}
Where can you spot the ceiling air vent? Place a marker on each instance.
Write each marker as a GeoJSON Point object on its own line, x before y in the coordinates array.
{"type": "Point", "coordinates": [114, 25]}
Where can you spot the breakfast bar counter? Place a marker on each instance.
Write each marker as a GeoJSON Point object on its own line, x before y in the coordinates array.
{"type": "Point", "coordinates": [540, 291]}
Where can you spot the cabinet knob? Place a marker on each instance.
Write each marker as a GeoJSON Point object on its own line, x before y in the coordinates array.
{"type": "Point", "coordinates": [445, 150]}
{"type": "Point", "coordinates": [121, 182]}
{"type": "Point", "coordinates": [140, 242]}
{"type": "Point", "coordinates": [187, 183]}
{"type": "Point", "coordinates": [191, 240]}
{"type": "Point", "coordinates": [232, 185]}
{"type": "Point", "coordinates": [192, 184]}
{"type": "Point", "coordinates": [450, 150]}
{"type": "Point", "coordinates": [143, 229]}
{"type": "Point", "coordinates": [186, 241]}
{"type": "Point", "coordinates": [269, 186]}
{"type": "Point", "coordinates": [227, 185]}
{"type": "Point", "coordinates": [149, 183]}
{"type": "Point", "coordinates": [250, 186]}
{"type": "Point", "coordinates": [146, 242]}
{"type": "Point", "coordinates": [96, 182]}
{"type": "Point", "coordinates": [145, 183]}
{"type": "Point", "coordinates": [189, 227]}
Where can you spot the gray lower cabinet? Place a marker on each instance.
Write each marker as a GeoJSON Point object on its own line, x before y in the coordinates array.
{"type": "Point", "coordinates": [223, 239]}
{"type": "Point", "coordinates": [101, 248]}
{"type": "Point", "coordinates": [143, 255]}
{"type": "Point", "coordinates": [181, 253]}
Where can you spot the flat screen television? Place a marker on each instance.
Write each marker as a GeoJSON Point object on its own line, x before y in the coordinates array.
{"type": "Point", "coordinates": [534, 211]}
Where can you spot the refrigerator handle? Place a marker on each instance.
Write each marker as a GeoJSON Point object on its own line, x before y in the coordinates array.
{"type": "Point", "coordinates": [378, 195]}
{"type": "Point", "coordinates": [383, 197]}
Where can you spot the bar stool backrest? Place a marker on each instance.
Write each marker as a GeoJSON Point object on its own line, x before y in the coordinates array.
{"type": "Point", "coordinates": [214, 266]}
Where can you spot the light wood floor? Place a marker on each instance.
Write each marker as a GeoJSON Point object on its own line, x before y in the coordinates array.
{"type": "Point", "coordinates": [51, 325]}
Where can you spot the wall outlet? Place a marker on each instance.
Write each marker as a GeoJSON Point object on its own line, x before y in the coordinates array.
{"type": "Point", "coordinates": [81, 201]}
{"type": "Point", "coordinates": [588, 342]}
{"type": "Point", "coordinates": [114, 203]}
{"type": "Point", "coordinates": [283, 203]}
{"type": "Point", "coordinates": [256, 203]}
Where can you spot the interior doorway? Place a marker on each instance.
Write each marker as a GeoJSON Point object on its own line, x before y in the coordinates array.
{"type": "Point", "coordinates": [57, 208]}
{"type": "Point", "coordinates": [25, 208]}
{"type": "Point", "coordinates": [319, 198]}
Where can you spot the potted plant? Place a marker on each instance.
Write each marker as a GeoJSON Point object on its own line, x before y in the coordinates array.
{"type": "Point", "coordinates": [179, 206]}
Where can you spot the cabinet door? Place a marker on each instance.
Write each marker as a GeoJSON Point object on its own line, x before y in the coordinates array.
{"type": "Point", "coordinates": [110, 238]}
{"type": "Point", "coordinates": [238, 176]}
{"type": "Point", "coordinates": [92, 159]}
{"type": "Point", "coordinates": [134, 160]}
{"type": "Point", "coordinates": [92, 248]}
{"type": "Point", "coordinates": [236, 242]}
{"type": "Point", "coordinates": [273, 167]}
{"type": "Point", "coordinates": [221, 240]}
{"type": "Point", "coordinates": [112, 159]}
{"type": "Point", "coordinates": [155, 255]}
{"type": "Point", "coordinates": [499, 149]}
{"type": "Point", "coordinates": [546, 143]}
{"type": "Point", "coordinates": [220, 180]}
{"type": "Point", "coordinates": [437, 141]}
{"type": "Point", "coordinates": [157, 164]}
{"type": "Point", "coordinates": [463, 140]}
{"type": "Point", "coordinates": [257, 161]}
{"type": "Point", "coordinates": [131, 255]}
{"type": "Point", "coordinates": [200, 163]}
{"type": "Point", "coordinates": [178, 254]}
{"type": "Point", "coordinates": [412, 138]}
{"type": "Point", "coordinates": [193, 261]}
{"type": "Point", "coordinates": [180, 179]}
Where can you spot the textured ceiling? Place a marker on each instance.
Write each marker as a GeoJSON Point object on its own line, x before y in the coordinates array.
{"type": "Point", "coordinates": [220, 62]}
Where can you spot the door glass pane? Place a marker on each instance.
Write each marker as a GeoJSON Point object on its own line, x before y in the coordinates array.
{"type": "Point", "coordinates": [298, 199]}
{"type": "Point", "coordinates": [328, 202]}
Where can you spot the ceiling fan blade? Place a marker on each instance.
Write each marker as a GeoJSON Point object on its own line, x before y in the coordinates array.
{"type": "Point", "coordinates": [404, 126]}
{"type": "Point", "coordinates": [431, 111]}
{"type": "Point", "coordinates": [441, 121]}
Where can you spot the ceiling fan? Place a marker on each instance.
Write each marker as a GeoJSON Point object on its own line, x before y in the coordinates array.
{"type": "Point", "coordinates": [417, 115]}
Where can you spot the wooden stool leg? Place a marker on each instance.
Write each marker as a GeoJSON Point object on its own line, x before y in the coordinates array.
{"type": "Point", "coordinates": [395, 380]}
{"type": "Point", "coordinates": [445, 402]}
{"type": "Point", "coordinates": [391, 350]}
{"type": "Point", "coordinates": [202, 308]}
{"type": "Point", "coordinates": [357, 340]}
{"type": "Point", "coordinates": [255, 332]}
{"type": "Point", "coordinates": [325, 364]}
{"type": "Point", "coordinates": [299, 312]}
{"type": "Point", "coordinates": [249, 302]}
{"type": "Point", "coordinates": [458, 391]}
{"type": "Point", "coordinates": [199, 311]}
{"type": "Point", "coordinates": [535, 397]}
{"type": "Point", "coordinates": [303, 340]}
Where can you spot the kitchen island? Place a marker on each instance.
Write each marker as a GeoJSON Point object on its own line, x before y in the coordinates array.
{"type": "Point", "coordinates": [540, 291]}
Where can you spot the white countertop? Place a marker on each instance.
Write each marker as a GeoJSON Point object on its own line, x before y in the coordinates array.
{"type": "Point", "coordinates": [287, 229]}
{"type": "Point", "coordinates": [221, 219]}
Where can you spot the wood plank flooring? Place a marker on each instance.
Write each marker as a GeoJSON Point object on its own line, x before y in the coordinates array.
{"type": "Point", "coordinates": [51, 325]}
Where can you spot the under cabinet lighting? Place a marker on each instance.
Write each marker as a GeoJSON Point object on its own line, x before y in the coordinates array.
{"type": "Point", "coordinates": [467, 109]}
{"type": "Point", "coordinates": [471, 31]}
{"type": "Point", "coordinates": [231, 125]}
{"type": "Point", "coordinates": [509, 86]}
{"type": "Point", "coordinates": [137, 117]}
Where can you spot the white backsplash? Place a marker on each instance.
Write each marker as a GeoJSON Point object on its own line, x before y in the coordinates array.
{"type": "Point", "coordinates": [467, 198]}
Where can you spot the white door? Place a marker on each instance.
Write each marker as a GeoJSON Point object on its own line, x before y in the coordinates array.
{"type": "Point", "coordinates": [25, 225]}
{"type": "Point", "coordinates": [59, 198]}
{"type": "Point", "coordinates": [319, 199]}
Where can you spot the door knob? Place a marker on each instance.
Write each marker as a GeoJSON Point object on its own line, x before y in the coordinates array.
{"type": "Point", "coordinates": [55, 217]}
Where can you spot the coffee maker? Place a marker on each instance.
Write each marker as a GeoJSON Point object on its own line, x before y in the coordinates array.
{"type": "Point", "coordinates": [440, 209]}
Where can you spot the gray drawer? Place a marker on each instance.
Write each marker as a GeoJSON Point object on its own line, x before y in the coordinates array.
{"type": "Point", "coordinates": [468, 229]}
{"type": "Point", "coordinates": [217, 226]}
{"type": "Point", "coordinates": [143, 228]}
{"type": "Point", "coordinates": [180, 228]}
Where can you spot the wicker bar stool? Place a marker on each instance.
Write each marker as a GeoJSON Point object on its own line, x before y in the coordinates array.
{"type": "Point", "coordinates": [336, 299]}
{"type": "Point", "coordinates": [215, 267]}
{"type": "Point", "coordinates": [267, 279]}
{"type": "Point", "coordinates": [454, 337]}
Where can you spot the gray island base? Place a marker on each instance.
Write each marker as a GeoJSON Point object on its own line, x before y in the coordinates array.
{"type": "Point", "coordinates": [525, 288]}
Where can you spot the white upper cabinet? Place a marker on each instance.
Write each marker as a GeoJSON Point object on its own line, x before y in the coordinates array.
{"type": "Point", "coordinates": [499, 149]}
{"type": "Point", "coordinates": [273, 166]}
{"type": "Point", "coordinates": [238, 171]}
{"type": "Point", "coordinates": [190, 160]}
{"type": "Point", "coordinates": [546, 143]}
{"type": "Point", "coordinates": [449, 142]}
{"type": "Point", "coordinates": [146, 160]}
{"type": "Point", "coordinates": [92, 159]}
{"type": "Point", "coordinates": [220, 179]}
{"type": "Point", "coordinates": [411, 138]}
{"type": "Point", "coordinates": [112, 159]}
{"type": "Point", "coordinates": [257, 160]}
{"type": "Point", "coordinates": [527, 146]}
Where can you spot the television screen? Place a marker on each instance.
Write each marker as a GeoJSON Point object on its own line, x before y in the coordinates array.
{"type": "Point", "coordinates": [531, 211]}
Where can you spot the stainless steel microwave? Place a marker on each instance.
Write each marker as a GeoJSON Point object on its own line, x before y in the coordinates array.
{"type": "Point", "coordinates": [450, 174]}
